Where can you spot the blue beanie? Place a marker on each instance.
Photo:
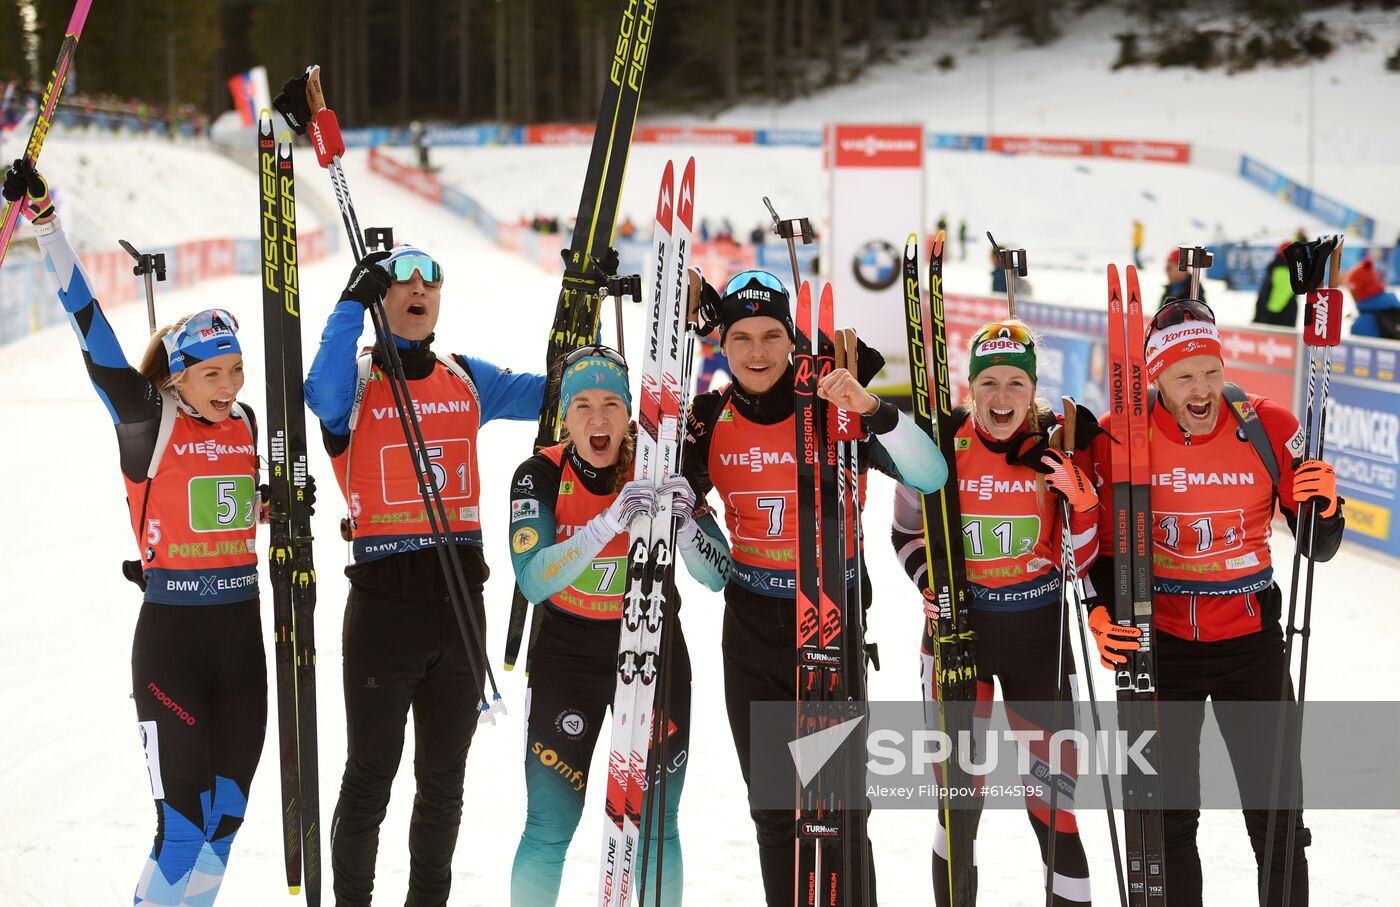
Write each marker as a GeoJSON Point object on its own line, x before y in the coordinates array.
{"type": "Point", "coordinates": [204, 335]}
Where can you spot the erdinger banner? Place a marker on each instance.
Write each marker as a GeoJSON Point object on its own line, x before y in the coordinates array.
{"type": "Point", "coordinates": [877, 197]}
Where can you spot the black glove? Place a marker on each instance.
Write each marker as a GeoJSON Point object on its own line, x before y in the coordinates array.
{"type": "Point", "coordinates": [292, 104]}
{"type": "Point", "coordinates": [309, 498]}
{"type": "Point", "coordinates": [608, 264]}
{"type": "Point", "coordinates": [23, 180]}
{"type": "Point", "coordinates": [368, 280]}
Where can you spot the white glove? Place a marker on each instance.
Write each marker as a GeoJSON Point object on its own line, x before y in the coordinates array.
{"type": "Point", "coordinates": [682, 505]}
{"type": "Point", "coordinates": [636, 498]}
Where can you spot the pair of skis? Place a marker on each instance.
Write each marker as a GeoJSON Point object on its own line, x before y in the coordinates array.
{"type": "Point", "coordinates": [954, 681]}
{"type": "Point", "coordinates": [829, 847]}
{"type": "Point", "coordinates": [290, 565]}
{"type": "Point", "coordinates": [577, 312]}
{"type": "Point", "coordinates": [636, 765]}
{"type": "Point", "coordinates": [1135, 681]}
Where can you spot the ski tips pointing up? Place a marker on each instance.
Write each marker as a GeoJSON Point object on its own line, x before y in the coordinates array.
{"type": "Point", "coordinates": [685, 203]}
{"type": "Point", "coordinates": [938, 244]}
{"type": "Point", "coordinates": [664, 206]}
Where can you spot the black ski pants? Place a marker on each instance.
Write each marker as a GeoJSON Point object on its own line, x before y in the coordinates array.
{"type": "Point", "coordinates": [404, 654]}
{"type": "Point", "coordinates": [760, 665]}
{"type": "Point", "coordinates": [199, 680]}
{"type": "Point", "coordinates": [1245, 669]}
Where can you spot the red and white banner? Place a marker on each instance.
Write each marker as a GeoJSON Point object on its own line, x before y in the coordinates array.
{"type": "Point", "coordinates": [417, 181]}
{"type": "Point", "coordinates": [558, 134]}
{"type": "Point", "coordinates": [1044, 146]}
{"type": "Point", "coordinates": [877, 199]}
{"type": "Point", "coordinates": [1152, 152]}
{"type": "Point", "coordinates": [693, 135]}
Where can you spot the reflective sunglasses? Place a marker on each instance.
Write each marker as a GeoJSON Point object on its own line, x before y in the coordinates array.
{"type": "Point", "coordinates": [1011, 331]}
{"type": "Point", "coordinates": [401, 269]}
{"type": "Point", "coordinates": [1175, 311]}
{"type": "Point", "coordinates": [744, 278]}
{"type": "Point", "coordinates": [597, 349]}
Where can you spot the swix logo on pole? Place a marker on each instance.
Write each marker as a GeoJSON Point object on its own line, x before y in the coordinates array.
{"type": "Point", "coordinates": [1323, 325]}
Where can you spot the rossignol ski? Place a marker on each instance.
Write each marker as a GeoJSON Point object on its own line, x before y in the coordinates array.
{"type": "Point", "coordinates": [290, 566]}
{"type": "Point", "coordinates": [326, 140]}
{"type": "Point", "coordinates": [951, 676]}
{"type": "Point", "coordinates": [579, 306]}
{"type": "Point", "coordinates": [9, 222]}
{"type": "Point", "coordinates": [1136, 681]}
{"type": "Point", "coordinates": [647, 600]}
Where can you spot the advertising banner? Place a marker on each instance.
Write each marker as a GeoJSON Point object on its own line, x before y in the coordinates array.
{"type": "Point", "coordinates": [877, 197]}
{"type": "Point", "coordinates": [1363, 425]}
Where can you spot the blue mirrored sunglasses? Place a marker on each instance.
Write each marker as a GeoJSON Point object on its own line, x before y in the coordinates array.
{"type": "Point", "coordinates": [744, 278]}
{"type": "Point", "coordinates": [401, 269]}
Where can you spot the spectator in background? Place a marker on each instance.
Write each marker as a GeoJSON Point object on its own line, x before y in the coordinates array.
{"type": "Point", "coordinates": [942, 224]}
{"type": "Point", "coordinates": [1379, 309]}
{"type": "Point", "coordinates": [1138, 231]}
{"type": "Point", "coordinates": [962, 239]}
{"type": "Point", "coordinates": [1179, 280]}
{"type": "Point", "coordinates": [704, 229]}
{"type": "Point", "coordinates": [628, 230]}
{"type": "Point", "coordinates": [726, 231]}
{"type": "Point", "coordinates": [1276, 303]}
{"type": "Point", "coordinates": [418, 137]}
{"type": "Point", "coordinates": [757, 235]}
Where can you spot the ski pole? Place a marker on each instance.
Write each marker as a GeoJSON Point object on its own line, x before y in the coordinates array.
{"type": "Point", "coordinates": [1013, 265]}
{"type": "Point", "coordinates": [1322, 327]}
{"type": "Point", "coordinates": [1195, 259]}
{"type": "Point", "coordinates": [149, 267]}
{"type": "Point", "coordinates": [790, 230]}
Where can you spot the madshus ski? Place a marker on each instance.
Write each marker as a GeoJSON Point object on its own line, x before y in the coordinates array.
{"type": "Point", "coordinates": [1136, 681]}
{"type": "Point", "coordinates": [290, 566]}
{"type": "Point", "coordinates": [577, 311]}
{"type": "Point", "coordinates": [953, 682]}
{"type": "Point", "coordinates": [648, 600]}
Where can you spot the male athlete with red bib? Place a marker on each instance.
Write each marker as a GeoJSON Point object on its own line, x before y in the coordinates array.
{"type": "Point", "coordinates": [1216, 604]}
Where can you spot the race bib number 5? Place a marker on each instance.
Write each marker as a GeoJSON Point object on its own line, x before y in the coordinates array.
{"type": "Point", "coordinates": [221, 503]}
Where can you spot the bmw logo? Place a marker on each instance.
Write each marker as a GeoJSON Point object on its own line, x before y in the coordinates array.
{"type": "Point", "coordinates": [876, 265]}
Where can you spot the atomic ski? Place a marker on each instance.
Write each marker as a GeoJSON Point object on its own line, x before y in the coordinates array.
{"type": "Point", "coordinates": [1136, 681]}
{"type": "Point", "coordinates": [289, 558]}
{"type": "Point", "coordinates": [952, 683]}
{"type": "Point", "coordinates": [44, 117]}
{"type": "Point", "coordinates": [577, 311]}
{"type": "Point", "coordinates": [651, 549]}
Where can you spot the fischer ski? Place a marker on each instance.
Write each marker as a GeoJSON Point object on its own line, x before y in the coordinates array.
{"type": "Point", "coordinates": [9, 222]}
{"type": "Point", "coordinates": [651, 551]}
{"type": "Point", "coordinates": [577, 312]}
{"type": "Point", "coordinates": [1136, 681]}
{"type": "Point", "coordinates": [292, 573]}
{"type": "Point", "coordinates": [951, 684]}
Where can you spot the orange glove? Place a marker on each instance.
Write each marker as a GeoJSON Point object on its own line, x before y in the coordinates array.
{"type": "Point", "coordinates": [1069, 481]}
{"type": "Point", "coordinates": [1113, 640]}
{"type": "Point", "coordinates": [931, 604]}
{"type": "Point", "coordinates": [1316, 481]}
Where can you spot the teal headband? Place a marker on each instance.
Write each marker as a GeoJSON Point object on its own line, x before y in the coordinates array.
{"type": "Point", "coordinates": [593, 373]}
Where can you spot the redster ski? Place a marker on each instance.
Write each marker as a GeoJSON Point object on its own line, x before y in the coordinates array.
{"type": "Point", "coordinates": [953, 682]}
{"type": "Point", "coordinates": [292, 574]}
{"type": "Point", "coordinates": [9, 222]}
{"type": "Point", "coordinates": [1136, 681]}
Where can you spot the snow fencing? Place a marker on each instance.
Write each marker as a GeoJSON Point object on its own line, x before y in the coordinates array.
{"type": "Point", "coordinates": [27, 302]}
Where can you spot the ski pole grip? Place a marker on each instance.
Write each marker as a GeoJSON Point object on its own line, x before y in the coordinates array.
{"type": "Point", "coordinates": [325, 136]}
{"type": "Point", "coordinates": [1323, 322]}
{"type": "Point", "coordinates": [315, 96]}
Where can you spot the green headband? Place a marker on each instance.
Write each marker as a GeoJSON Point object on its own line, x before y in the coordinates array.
{"type": "Point", "coordinates": [999, 347]}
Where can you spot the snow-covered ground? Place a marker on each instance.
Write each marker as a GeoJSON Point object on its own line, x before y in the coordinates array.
{"type": "Point", "coordinates": [73, 782]}
{"type": "Point", "coordinates": [73, 785]}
